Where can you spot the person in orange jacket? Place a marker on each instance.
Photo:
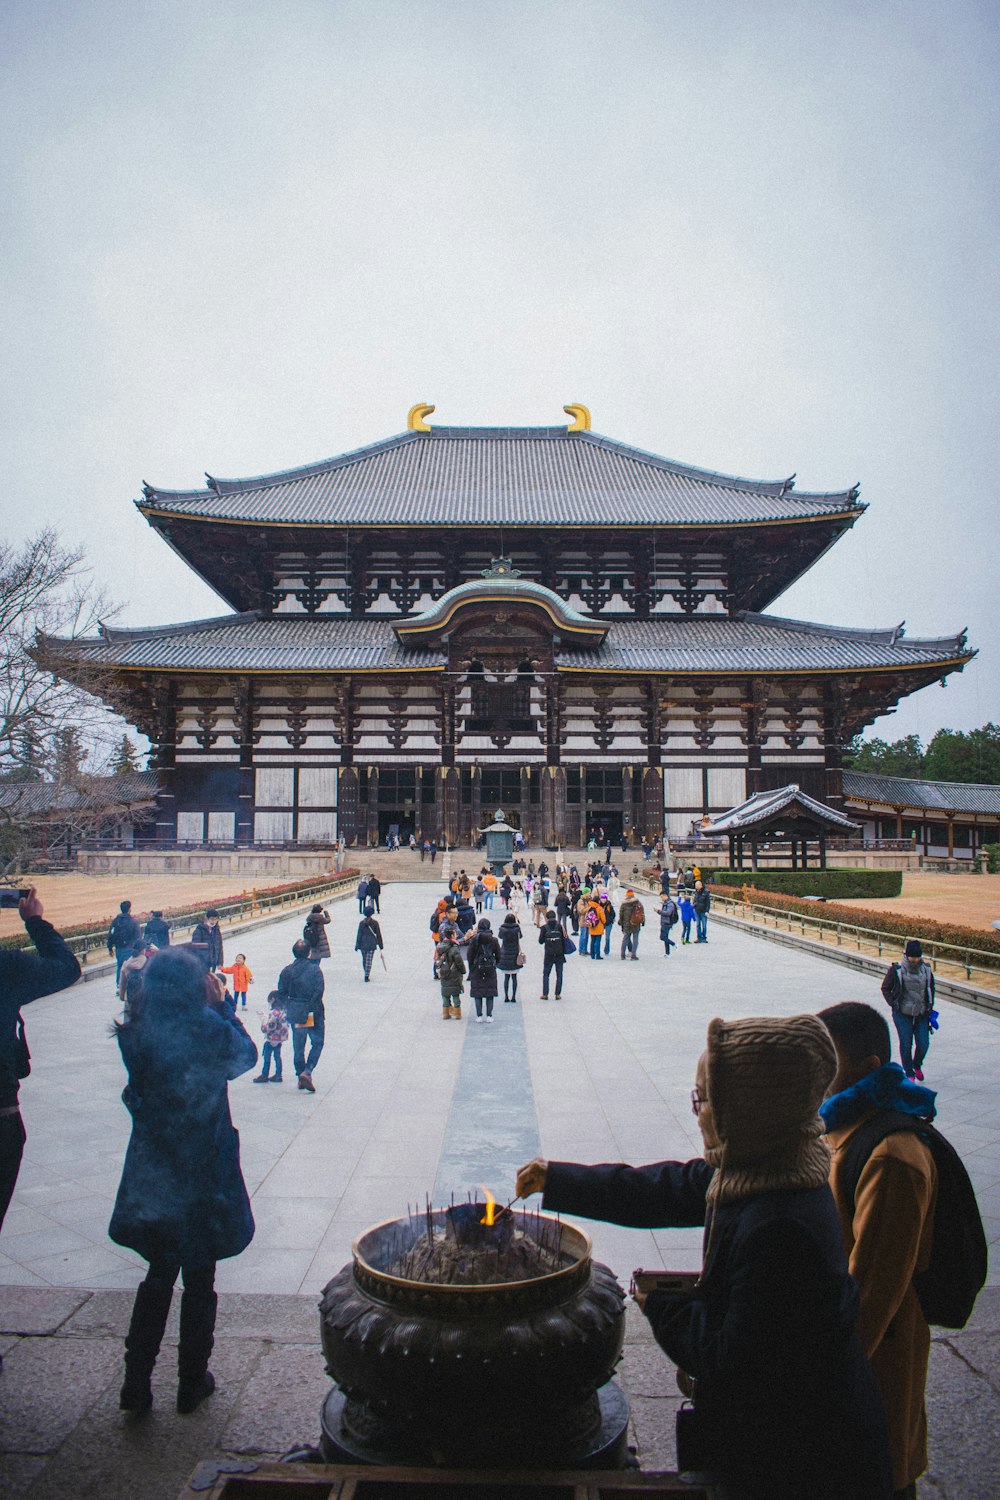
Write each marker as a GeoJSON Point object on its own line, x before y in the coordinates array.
{"type": "Point", "coordinates": [596, 925]}
{"type": "Point", "coordinates": [242, 978]}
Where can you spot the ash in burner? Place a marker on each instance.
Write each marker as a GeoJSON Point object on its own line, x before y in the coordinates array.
{"type": "Point", "coordinates": [459, 1249]}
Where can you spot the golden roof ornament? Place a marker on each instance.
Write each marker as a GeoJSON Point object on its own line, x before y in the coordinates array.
{"type": "Point", "coordinates": [581, 418]}
{"type": "Point", "coordinates": [416, 421]}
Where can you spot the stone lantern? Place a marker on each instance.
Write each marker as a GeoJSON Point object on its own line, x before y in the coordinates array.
{"type": "Point", "coordinates": [499, 842]}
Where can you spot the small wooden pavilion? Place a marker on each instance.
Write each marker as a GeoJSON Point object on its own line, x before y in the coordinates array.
{"type": "Point", "coordinates": [786, 815]}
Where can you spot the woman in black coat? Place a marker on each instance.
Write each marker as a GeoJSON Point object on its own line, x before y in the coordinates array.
{"type": "Point", "coordinates": [510, 946]}
{"type": "Point", "coordinates": [368, 939]}
{"type": "Point", "coordinates": [182, 1203]}
{"type": "Point", "coordinates": [482, 956]}
{"type": "Point", "coordinates": [785, 1403]}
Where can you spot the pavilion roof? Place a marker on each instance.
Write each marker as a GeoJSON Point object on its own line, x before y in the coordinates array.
{"type": "Point", "coordinates": [514, 476]}
{"type": "Point", "coordinates": [755, 644]}
{"type": "Point", "coordinates": [765, 809]}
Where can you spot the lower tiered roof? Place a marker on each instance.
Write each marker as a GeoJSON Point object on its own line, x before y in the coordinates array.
{"type": "Point", "coordinates": [750, 643]}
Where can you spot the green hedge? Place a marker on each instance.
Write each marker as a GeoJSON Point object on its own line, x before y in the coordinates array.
{"type": "Point", "coordinates": [834, 884]}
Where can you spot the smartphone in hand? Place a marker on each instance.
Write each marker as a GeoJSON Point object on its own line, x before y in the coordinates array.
{"type": "Point", "coordinates": [664, 1281]}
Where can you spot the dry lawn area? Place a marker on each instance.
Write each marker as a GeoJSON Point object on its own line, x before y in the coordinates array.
{"type": "Point", "coordinates": [969, 900]}
{"type": "Point", "coordinates": [71, 899]}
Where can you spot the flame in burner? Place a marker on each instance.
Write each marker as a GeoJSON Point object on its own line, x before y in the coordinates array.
{"type": "Point", "coordinates": [491, 1206]}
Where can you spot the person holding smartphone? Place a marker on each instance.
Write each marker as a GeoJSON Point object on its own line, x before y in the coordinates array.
{"type": "Point", "coordinates": [24, 977]}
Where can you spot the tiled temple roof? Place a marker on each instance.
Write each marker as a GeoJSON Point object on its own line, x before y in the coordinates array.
{"type": "Point", "coordinates": [516, 476]}
{"type": "Point", "coordinates": [935, 796]}
{"type": "Point", "coordinates": [751, 643]}
{"type": "Point", "coordinates": [34, 798]}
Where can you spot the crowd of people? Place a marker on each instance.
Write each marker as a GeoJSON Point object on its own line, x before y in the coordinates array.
{"type": "Point", "coordinates": [804, 1344]}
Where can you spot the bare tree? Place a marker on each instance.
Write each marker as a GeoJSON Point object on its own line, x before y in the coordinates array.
{"type": "Point", "coordinates": [49, 727]}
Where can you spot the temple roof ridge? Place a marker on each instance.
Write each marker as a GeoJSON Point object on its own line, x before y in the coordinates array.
{"type": "Point", "coordinates": [878, 636]}
{"type": "Point", "coordinates": [775, 489]}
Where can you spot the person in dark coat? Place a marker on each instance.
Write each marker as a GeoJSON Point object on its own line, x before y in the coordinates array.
{"type": "Point", "coordinates": [702, 903]}
{"type": "Point", "coordinates": [24, 977]}
{"type": "Point", "coordinates": [785, 1403]}
{"type": "Point", "coordinates": [374, 892]}
{"type": "Point", "coordinates": [156, 933]}
{"type": "Point", "coordinates": [369, 939]}
{"type": "Point", "coordinates": [182, 1203]}
{"type": "Point", "coordinates": [510, 946]}
{"type": "Point", "coordinates": [465, 916]}
{"type": "Point", "coordinates": [207, 940]}
{"type": "Point", "coordinates": [551, 939]}
{"type": "Point", "coordinates": [300, 991]}
{"type": "Point", "coordinates": [314, 932]}
{"type": "Point", "coordinates": [483, 956]}
{"type": "Point", "coordinates": [123, 934]}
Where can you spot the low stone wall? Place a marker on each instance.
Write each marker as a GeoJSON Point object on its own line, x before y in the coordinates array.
{"type": "Point", "coordinates": [253, 866]}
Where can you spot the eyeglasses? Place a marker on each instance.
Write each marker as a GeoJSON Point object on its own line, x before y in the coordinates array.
{"type": "Point", "coordinates": [697, 1100]}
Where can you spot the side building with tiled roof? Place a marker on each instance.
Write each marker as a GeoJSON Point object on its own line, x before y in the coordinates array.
{"type": "Point", "coordinates": [943, 819]}
{"type": "Point", "coordinates": [458, 619]}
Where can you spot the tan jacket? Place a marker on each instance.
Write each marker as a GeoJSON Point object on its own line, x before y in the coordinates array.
{"type": "Point", "coordinates": [887, 1238]}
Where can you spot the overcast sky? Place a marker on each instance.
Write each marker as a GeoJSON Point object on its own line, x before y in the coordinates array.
{"type": "Point", "coordinates": [754, 235]}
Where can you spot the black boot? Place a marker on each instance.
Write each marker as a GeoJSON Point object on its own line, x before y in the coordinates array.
{"type": "Point", "coordinates": [142, 1344]}
{"type": "Point", "coordinates": [195, 1380]}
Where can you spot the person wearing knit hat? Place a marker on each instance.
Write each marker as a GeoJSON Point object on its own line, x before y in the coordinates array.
{"type": "Point", "coordinates": [785, 1405]}
{"type": "Point", "coordinates": [631, 919]}
{"type": "Point", "coordinates": [908, 989]}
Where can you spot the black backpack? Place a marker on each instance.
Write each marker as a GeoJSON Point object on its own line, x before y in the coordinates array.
{"type": "Point", "coordinates": [554, 945]}
{"type": "Point", "coordinates": [957, 1272]}
{"type": "Point", "coordinates": [486, 960]}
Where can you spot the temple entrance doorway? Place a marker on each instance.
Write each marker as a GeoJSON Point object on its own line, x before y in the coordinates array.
{"type": "Point", "coordinates": [610, 819]}
{"type": "Point", "coordinates": [398, 819]}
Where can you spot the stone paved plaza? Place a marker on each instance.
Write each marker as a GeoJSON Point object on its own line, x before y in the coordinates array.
{"type": "Point", "coordinates": [408, 1105]}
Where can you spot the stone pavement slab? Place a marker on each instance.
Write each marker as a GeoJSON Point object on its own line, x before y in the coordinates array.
{"type": "Point", "coordinates": [407, 1105]}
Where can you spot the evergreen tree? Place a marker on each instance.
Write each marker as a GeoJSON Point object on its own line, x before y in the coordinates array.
{"type": "Point", "coordinates": [956, 756]}
{"type": "Point", "coordinates": [126, 756]}
{"type": "Point", "coordinates": [903, 757]}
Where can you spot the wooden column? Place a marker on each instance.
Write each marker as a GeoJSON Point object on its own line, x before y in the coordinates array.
{"type": "Point", "coordinates": [525, 809]}
{"type": "Point", "coordinates": [347, 805]}
{"type": "Point", "coordinates": [652, 802]}
{"type": "Point", "coordinates": [371, 831]}
{"type": "Point", "coordinates": [452, 806]}
{"type": "Point", "coordinates": [165, 719]}
{"type": "Point", "coordinates": [476, 817]}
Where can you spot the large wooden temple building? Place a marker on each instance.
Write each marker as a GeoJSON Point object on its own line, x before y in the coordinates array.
{"type": "Point", "coordinates": [458, 619]}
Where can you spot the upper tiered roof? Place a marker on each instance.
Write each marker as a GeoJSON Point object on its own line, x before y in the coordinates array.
{"type": "Point", "coordinates": [511, 476]}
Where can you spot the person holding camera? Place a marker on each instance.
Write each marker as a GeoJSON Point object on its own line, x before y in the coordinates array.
{"type": "Point", "coordinates": [24, 977]}
{"type": "Point", "coordinates": [182, 1203]}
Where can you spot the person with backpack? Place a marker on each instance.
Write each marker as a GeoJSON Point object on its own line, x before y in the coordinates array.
{"type": "Point", "coordinates": [123, 934]}
{"type": "Point", "coordinates": [631, 920]}
{"type": "Point", "coordinates": [667, 913]}
{"type": "Point", "coordinates": [509, 936]}
{"type": "Point", "coordinates": [908, 989]}
{"type": "Point", "coordinates": [484, 954]}
{"type": "Point", "coordinates": [909, 1220]}
{"type": "Point", "coordinates": [156, 933]}
{"type": "Point", "coordinates": [582, 925]}
{"type": "Point", "coordinates": [553, 941]}
{"type": "Point", "coordinates": [451, 969]}
{"type": "Point", "coordinates": [595, 921]}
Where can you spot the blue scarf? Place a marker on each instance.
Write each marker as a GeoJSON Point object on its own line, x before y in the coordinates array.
{"type": "Point", "coordinates": [887, 1088]}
